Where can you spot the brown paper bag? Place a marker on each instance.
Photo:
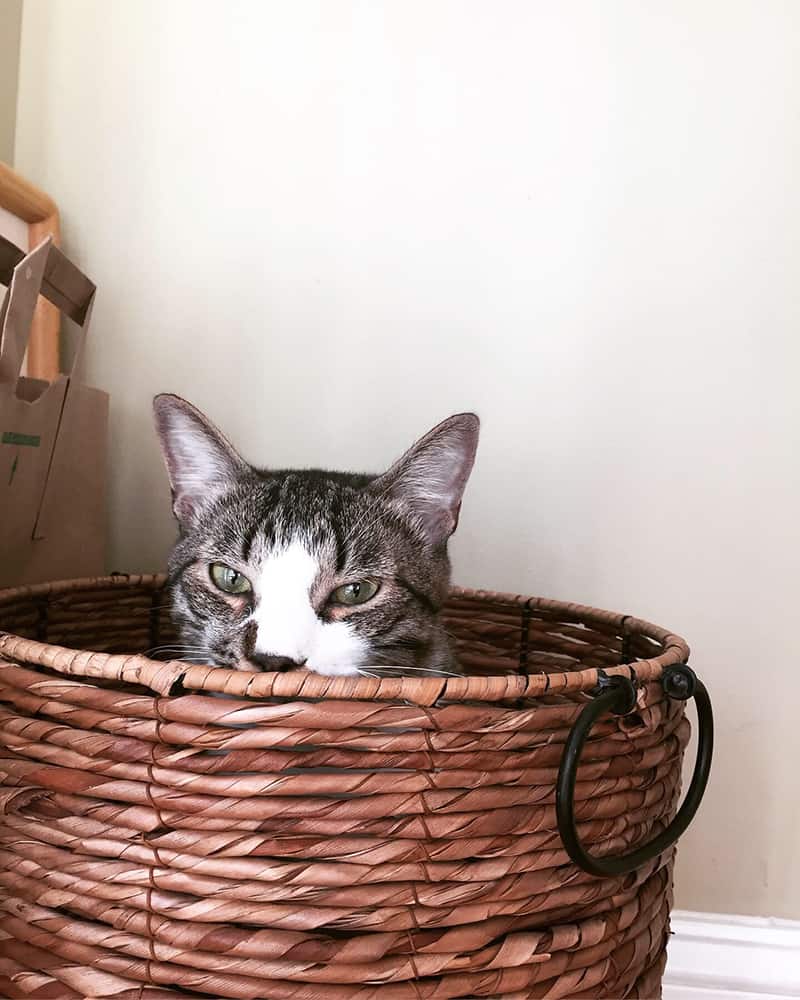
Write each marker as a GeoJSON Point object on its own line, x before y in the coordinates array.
{"type": "Point", "coordinates": [52, 435]}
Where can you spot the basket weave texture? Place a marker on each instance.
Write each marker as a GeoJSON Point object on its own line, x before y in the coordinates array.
{"type": "Point", "coordinates": [324, 838]}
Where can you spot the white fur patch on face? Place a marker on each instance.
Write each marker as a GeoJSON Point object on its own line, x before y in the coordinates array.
{"type": "Point", "coordinates": [286, 622]}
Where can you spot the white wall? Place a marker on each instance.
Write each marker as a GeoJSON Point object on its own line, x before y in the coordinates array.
{"type": "Point", "coordinates": [10, 19]}
{"type": "Point", "coordinates": [332, 224]}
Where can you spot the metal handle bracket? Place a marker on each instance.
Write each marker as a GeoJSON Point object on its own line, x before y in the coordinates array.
{"type": "Point", "coordinates": [618, 696]}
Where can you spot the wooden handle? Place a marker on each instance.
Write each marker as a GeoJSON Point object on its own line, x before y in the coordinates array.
{"type": "Point", "coordinates": [38, 209]}
{"type": "Point", "coordinates": [43, 346]}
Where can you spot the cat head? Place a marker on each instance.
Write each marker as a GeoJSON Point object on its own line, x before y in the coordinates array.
{"type": "Point", "coordinates": [330, 570]}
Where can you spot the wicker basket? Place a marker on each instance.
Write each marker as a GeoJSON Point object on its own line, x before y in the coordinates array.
{"type": "Point", "coordinates": [314, 837]}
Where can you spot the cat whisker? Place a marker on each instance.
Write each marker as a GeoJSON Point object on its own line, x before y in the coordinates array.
{"type": "Point", "coordinates": [145, 612]}
{"type": "Point", "coordinates": [201, 655]}
{"type": "Point", "coordinates": [175, 649]}
{"type": "Point", "coordinates": [427, 671]}
{"type": "Point", "coordinates": [245, 623]}
{"type": "Point", "coordinates": [180, 645]}
{"type": "Point", "coordinates": [196, 658]}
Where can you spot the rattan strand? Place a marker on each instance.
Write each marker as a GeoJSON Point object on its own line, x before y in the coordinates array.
{"type": "Point", "coordinates": [320, 838]}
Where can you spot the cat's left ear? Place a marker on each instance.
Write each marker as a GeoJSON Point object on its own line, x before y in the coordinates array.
{"type": "Point", "coordinates": [431, 477]}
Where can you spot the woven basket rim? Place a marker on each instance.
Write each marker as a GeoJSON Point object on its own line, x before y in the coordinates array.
{"type": "Point", "coordinates": [164, 677]}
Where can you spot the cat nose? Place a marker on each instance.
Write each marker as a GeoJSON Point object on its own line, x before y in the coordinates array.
{"type": "Point", "coordinates": [277, 663]}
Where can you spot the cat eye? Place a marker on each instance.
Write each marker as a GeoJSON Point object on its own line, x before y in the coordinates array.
{"type": "Point", "coordinates": [229, 580]}
{"type": "Point", "coordinates": [358, 592]}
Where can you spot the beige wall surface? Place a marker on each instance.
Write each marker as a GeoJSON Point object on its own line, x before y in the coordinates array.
{"type": "Point", "coordinates": [10, 21]}
{"type": "Point", "coordinates": [332, 224]}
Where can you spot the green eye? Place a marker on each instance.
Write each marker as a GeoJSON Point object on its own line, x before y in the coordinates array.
{"type": "Point", "coordinates": [228, 579]}
{"type": "Point", "coordinates": [358, 592]}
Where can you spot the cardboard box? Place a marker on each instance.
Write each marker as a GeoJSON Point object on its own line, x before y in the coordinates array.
{"type": "Point", "coordinates": [53, 435]}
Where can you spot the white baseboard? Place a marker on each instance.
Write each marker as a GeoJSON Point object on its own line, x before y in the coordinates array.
{"type": "Point", "coordinates": [714, 956]}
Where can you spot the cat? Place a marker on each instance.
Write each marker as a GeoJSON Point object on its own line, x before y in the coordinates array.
{"type": "Point", "coordinates": [334, 572]}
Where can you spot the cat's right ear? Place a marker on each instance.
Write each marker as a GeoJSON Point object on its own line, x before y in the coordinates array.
{"type": "Point", "coordinates": [429, 480]}
{"type": "Point", "coordinates": [201, 463]}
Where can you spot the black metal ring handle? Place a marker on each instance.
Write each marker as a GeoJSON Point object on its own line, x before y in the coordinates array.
{"type": "Point", "coordinates": [618, 695]}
